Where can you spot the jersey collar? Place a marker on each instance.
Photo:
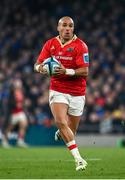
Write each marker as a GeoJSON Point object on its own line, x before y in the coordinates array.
{"type": "Point", "coordinates": [68, 42]}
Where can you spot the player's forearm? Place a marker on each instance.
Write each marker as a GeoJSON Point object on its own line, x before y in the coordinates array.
{"type": "Point", "coordinates": [82, 72]}
{"type": "Point", "coordinates": [77, 72]}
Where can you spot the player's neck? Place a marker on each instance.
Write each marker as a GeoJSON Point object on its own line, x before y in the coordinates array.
{"type": "Point", "coordinates": [64, 41]}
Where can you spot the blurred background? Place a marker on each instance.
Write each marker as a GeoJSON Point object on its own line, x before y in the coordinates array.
{"type": "Point", "coordinates": [24, 28]}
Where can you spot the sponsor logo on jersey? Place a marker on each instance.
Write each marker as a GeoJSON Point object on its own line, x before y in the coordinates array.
{"type": "Point", "coordinates": [64, 57]}
{"type": "Point", "coordinates": [86, 58]}
{"type": "Point", "coordinates": [70, 49]}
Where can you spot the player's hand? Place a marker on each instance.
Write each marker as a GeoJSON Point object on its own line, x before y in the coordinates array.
{"type": "Point", "coordinates": [41, 70]}
{"type": "Point", "coordinates": [60, 70]}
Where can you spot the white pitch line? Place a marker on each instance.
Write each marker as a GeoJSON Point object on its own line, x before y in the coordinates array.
{"type": "Point", "coordinates": [61, 160]}
{"type": "Point", "coordinates": [87, 159]}
{"type": "Point", "coordinates": [94, 159]}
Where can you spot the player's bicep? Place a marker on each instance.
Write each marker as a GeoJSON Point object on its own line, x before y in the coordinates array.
{"type": "Point", "coordinates": [44, 54]}
{"type": "Point", "coordinates": [82, 58]}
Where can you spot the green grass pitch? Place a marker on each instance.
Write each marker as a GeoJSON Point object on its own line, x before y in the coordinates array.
{"type": "Point", "coordinates": [57, 163]}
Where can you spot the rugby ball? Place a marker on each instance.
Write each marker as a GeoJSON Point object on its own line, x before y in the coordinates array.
{"type": "Point", "coordinates": [50, 64]}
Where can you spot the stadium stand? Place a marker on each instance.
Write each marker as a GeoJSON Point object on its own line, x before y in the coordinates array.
{"type": "Point", "coordinates": [25, 26]}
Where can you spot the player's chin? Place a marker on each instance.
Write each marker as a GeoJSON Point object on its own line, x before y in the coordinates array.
{"type": "Point", "coordinates": [67, 37]}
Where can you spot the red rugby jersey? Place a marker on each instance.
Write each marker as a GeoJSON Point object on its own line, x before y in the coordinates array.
{"type": "Point", "coordinates": [73, 55]}
{"type": "Point", "coordinates": [19, 99]}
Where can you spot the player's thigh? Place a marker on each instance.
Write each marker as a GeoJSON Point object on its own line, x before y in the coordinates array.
{"type": "Point", "coordinates": [19, 118]}
{"type": "Point", "coordinates": [22, 121]}
{"type": "Point", "coordinates": [14, 119]}
{"type": "Point", "coordinates": [73, 122]}
{"type": "Point", "coordinates": [59, 105]}
{"type": "Point", "coordinates": [59, 111]}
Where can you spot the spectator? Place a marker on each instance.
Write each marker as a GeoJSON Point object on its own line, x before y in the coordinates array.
{"type": "Point", "coordinates": [22, 35]}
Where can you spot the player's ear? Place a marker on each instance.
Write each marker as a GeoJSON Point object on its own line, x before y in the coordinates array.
{"type": "Point", "coordinates": [58, 28]}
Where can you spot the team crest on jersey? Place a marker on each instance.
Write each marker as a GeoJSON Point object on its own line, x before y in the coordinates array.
{"type": "Point", "coordinates": [52, 48]}
{"type": "Point", "coordinates": [70, 49]}
{"type": "Point", "coordinates": [60, 53]}
{"type": "Point", "coordinates": [86, 58]}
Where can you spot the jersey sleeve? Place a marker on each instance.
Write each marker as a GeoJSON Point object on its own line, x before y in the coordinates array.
{"type": "Point", "coordinates": [82, 57]}
{"type": "Point", "coordinates": [45, 53]}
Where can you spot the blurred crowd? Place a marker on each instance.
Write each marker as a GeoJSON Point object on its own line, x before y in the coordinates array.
{"type": "Point", "coordinates": [26, 25]}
